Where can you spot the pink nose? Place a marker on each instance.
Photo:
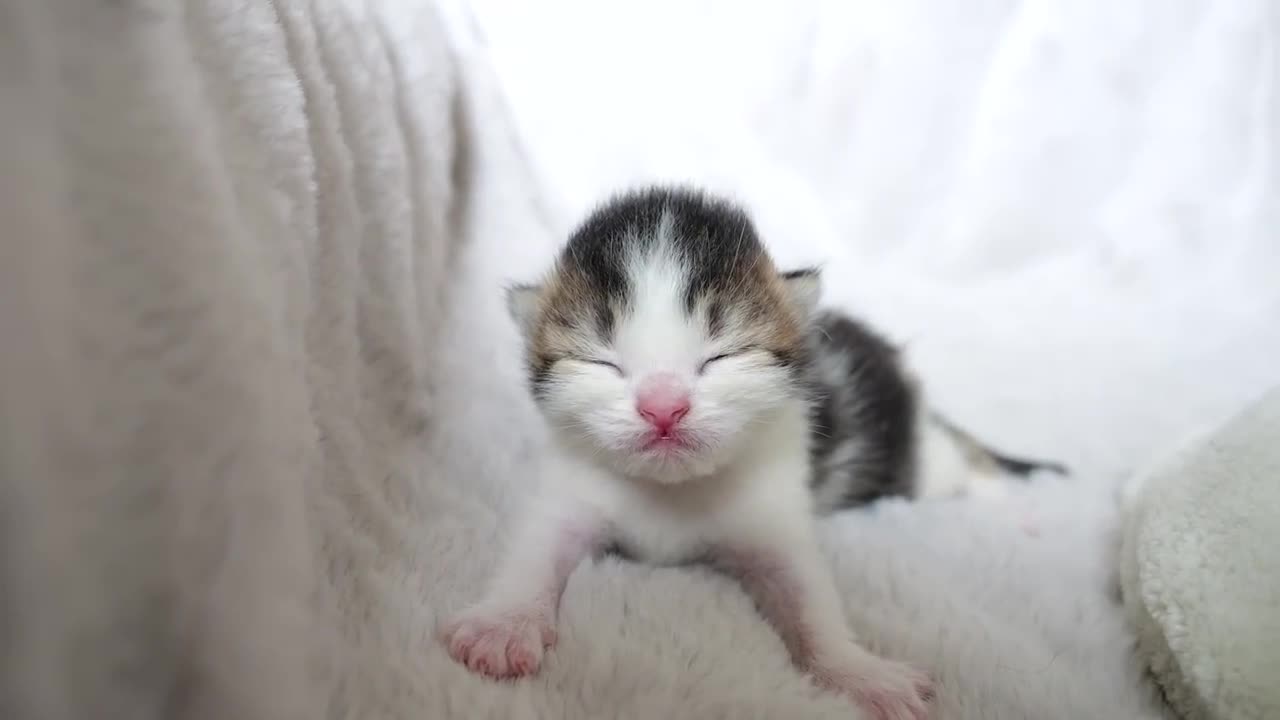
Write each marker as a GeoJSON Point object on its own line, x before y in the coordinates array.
{"type": "Point", "coordinates": [662, 400]}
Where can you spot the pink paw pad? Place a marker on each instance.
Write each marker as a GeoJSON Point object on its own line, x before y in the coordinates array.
{"type": "Point", "coordinates": [893, 704]}
{"type": "Point", "coordinates": [886, 690]}
{"type": "Point", "coordinates": [499, 645]}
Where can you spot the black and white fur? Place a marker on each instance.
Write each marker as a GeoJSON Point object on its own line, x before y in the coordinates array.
{"type": "Point", "coordinates": [874, 437]}
{"type": "Point", "coordinates": [667, 293]}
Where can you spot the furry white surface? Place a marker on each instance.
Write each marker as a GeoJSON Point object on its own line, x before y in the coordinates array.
{"type": "Point", "coordinates": [261, 421]}
{"type": "Point", "coordinates": [1200, 577]}
{"type": "Point", "coordinates": [228, 228]}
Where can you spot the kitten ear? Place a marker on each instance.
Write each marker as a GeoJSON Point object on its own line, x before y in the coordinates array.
{"type": "Point", "coordinates": [804, 289]}
{"type": "Point", "coordinates": [522, 306]}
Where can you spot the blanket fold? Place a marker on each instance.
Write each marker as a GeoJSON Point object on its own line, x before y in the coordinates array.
{"type": "Point", "coordinates": [1200, 573]}
{"type": "Point", "coordinates": [228, 229]}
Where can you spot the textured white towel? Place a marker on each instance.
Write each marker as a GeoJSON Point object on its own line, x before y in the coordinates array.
{"type": "Point", "coordinates": [1201, 572]}
{"type": "Point", "coordinates": [228, 227]}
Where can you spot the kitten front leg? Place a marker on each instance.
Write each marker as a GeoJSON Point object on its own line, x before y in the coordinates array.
{"type": "Point", "coordinates": [505, 634]}
{"type": "Point", "coordinates": [782, 569]}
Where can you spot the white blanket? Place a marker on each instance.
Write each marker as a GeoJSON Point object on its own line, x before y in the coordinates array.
{"type": "Point", "coordinates": [1200, 572]}
{"type": "Point", "coordinates": [261, 421]}
{"type": "Point", "coordinates": [228, 232]}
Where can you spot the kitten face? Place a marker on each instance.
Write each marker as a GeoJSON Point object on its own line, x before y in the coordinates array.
{"type": "Point", "coordinates": [664, 335]}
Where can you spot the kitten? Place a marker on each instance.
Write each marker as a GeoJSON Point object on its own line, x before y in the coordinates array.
{"type": "Point", "coordinates": [675, 367]}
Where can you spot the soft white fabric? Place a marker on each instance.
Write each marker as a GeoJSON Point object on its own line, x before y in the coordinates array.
{"type": "Point", "coordinates": [228, 230]}
{"type": "Point", "coordinates": [261, 421]}
{"type": "Point", "coordinates": [1200, 573]}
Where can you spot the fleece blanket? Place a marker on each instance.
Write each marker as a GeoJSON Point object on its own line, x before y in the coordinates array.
{"type": "Point", "coordinates": [1199, 571]}
{"type": "Point", "coordinates": [261, 423]}
{"type": "Point", "coordinates": [229, 228]}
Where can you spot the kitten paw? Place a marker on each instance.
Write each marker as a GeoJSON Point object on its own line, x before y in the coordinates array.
{"type": "Point", "coordinates": [886, 690]}
{"type": "Point", "coordinates": [505, 644]}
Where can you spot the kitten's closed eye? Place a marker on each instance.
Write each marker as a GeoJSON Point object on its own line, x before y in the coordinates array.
{"type": "Point", "coordinates": [717, 358]}
{"type": "Point", "coordinates": [597, 361]}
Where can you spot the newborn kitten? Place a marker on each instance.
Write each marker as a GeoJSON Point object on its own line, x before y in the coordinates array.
{"type": "Point", "coordinates": [672, 362]}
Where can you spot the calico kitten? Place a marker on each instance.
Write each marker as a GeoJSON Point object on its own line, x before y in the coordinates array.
{"type": "Point", "coordinates": [684, 382]}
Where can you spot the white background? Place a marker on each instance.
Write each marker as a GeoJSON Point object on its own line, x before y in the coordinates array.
{"type": "Point", "coordinates": [1068, 209]}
